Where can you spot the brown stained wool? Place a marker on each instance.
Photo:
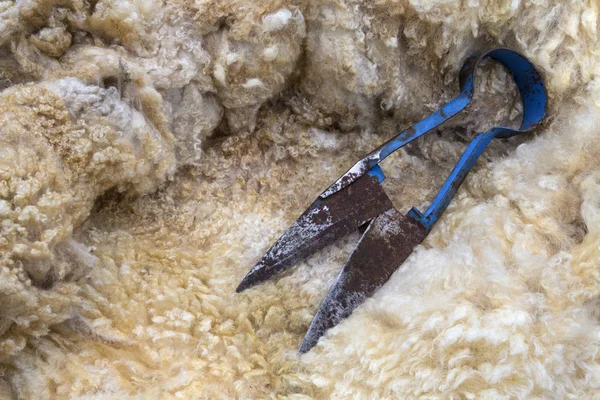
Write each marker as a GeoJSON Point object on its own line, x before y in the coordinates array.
{"type": "Point", "coordinates": [150, 152]}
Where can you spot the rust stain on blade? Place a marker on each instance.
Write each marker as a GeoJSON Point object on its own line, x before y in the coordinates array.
{"type": "Point", "coordinates": [321, 224]}
{"type": "Point", "coordinates": [387, 242]}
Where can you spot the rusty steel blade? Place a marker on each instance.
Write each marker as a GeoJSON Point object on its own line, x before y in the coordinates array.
{"type": "Point", "coordinates": [387, 242]}
{"type": "Point", "coordinates": [321, 224]}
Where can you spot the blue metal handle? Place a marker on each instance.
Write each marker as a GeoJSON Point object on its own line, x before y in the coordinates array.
{"type": "Point", "coordinates": [533, 96]}
{"type": "Point", "coordinates": [534, 99]}
{"type": "Point", "coordinates": [450, 187]}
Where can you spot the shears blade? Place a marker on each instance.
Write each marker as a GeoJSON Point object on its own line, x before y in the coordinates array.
{"type": "Point", "coordinates": [357, 200]}
{"type": "Point", "coordinates": [325, 221]}
{"type": "Point", "coordinates": [388, 241]}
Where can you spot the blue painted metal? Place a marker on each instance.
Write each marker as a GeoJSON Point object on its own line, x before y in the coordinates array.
{"type": "Point", "coordinates": [527, 78]}
{"type": "Point", "coordinates": [448, 190]}
{"type": "Point", "coordinates": [377, 173]}
{"type": "Point", "coordinates": [534, 99]}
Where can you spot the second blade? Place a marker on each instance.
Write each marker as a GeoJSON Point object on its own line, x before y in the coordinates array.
{"type": "Point", "coordinates": [387, 242]}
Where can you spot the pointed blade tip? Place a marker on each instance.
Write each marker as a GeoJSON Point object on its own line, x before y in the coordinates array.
{"type": "Point", "coordinates": [247, 282]}
{"type": "Point", "coordinates": [241, 287]}
{"type": "Point", "coordinates": [305, 347]}
{"type": "Point", "coordinates": [313, 334]}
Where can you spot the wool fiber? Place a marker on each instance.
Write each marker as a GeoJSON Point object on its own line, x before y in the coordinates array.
{"type": "Point", "coordinates": [151, 152]}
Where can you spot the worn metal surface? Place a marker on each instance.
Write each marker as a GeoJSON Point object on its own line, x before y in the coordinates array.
{"type": "Point", "coordinates": [321, 224]}
{"type": "Point", "coordinates": [357, 198]}
{"type": "Point", "coordinates": [387, 242]}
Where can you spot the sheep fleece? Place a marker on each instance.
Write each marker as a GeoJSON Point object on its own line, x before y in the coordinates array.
{"type": "Point", "coordinates": [150, 152]}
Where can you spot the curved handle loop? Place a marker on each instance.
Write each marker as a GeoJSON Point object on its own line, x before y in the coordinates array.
{"type": "Point", "coordinates": [533, 97]}
{"type": "Point", "coordinates": [526, 76]}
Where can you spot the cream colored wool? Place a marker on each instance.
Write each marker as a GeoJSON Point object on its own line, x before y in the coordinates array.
{"type": "Point", "coordinates": [151, 152]}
